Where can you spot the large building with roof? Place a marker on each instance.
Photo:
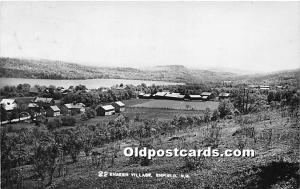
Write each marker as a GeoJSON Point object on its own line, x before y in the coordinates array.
{"type": "Point", "coordinates": [105, 110]}
{"type": "Point", "coordinates": [73, 108]}
{"type": "Point", "coordinates": [9, 104]}
{"type": "Point", "coordinates": [52, 111]}
{"type": "Point", "coordinates": [48, 101]}
{"type": "Point", "coordinates": [160, 95]}
{"type": "Point", "coordinates": [224, 96]}
{"type": "Point", "coordinates": [206, 95]}
{"type": "Point", "coordinates": [194, 97]}
{"type": "Point", "coordinates": [174, 96]}
{"type": "Point", "coordinates": [119, 106]}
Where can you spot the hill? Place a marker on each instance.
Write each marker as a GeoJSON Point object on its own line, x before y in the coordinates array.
{"type": "Point", "coordinates": [280, 78]}
{"type": "Point", "coordinates": [49, 69]}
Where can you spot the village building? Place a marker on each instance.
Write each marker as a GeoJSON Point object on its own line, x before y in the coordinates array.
{"type": "Point", "coordinates": [105, 110]}
{"type": "Point", "coordinates": [194, 97]}
{"type": "Point", "coordinates": [264, 87]}
{"type": "Point", "coordinates": [174, 96]}
{"type": "Point", "coordinates": [253, 86]}
{"type": "Point", "coordinates": [206, 95]}
{"type": "Point", "coordinates": [34, 91]}
{"type": "Point", "coordinates": [141, 95]}
{"type": "Point", "coordinates": [9, 104]}
{"type": "Point", "coordinates": [160, 95]}
{"type": "Point", "coordinates": [60, 89]}
{"type": "Point", "coordinates": [147, 96]}
{"type": "Point", "coordinates": [224, 96]}
{"type": "Point", "coordinates": [35, 110]}
{"type": "Point", "coordinates": [24, 100]}
{"type": "Point", "coordinates": [45, 101]}
{"type": "Point", "coordinates": [73, 108]}
{"type": "Point", "coordinates": [52, 111]}
{"type": "Point", "coordinates": [104, 89]}
{"type": "Point", "coordinates": [119, 106]}
{"type": "Point", "coordinates": [144, 96]}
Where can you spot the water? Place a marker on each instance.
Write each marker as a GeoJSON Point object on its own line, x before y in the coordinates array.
{"type": "Point", "coordinates": [89, 83]}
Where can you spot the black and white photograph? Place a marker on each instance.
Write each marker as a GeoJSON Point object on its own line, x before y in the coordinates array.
{"type": "Point", "coordinates": [150, 94]}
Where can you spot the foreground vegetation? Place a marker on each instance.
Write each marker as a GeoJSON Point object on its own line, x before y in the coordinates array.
{"type": "Point", "coordinates": [69, 151]}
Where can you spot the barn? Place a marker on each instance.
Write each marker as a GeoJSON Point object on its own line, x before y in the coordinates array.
{"type": "Point", "coordinates": [194, 97]}
{"type": "Point", "coordinates": [73, 108]}
{"type": "Point", "coordinates": [52, 111]}
{"type": "Point", "coordinates": [206, 95]}
{"type": "Point", "coordinates": [119, 106]}
{"type": "Point", "coordinates": [224, 96]}
{"type": "Point", "coordinates": [141, 95]}
{"type": "Point", "coordinates": [264, 87]}
{"type": "Point", "coordinates": [105, 110]}
{"type": "Point", "coordinates": [35, 110]}
{"type": "Point", "coordinates": [45, 101]}
{"type": "Point", "coordinates": [174, 96]}
{"type": "Point", "coordinates": [160, 95]}
{"type": "Point", "coordinates": [8, 104]}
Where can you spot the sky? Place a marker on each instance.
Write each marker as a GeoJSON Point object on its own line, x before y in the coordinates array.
{"type": "Point", "coordinates": [249, 36]}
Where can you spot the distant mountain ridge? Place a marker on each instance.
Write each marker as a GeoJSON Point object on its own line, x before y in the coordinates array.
{"type": "Point", "coordinates": [50, 69]}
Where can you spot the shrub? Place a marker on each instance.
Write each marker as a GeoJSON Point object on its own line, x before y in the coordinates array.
{"type": "Point", "coordinates": [53, 124]}
{"type": "Point", "coordinates": [225, 108]}
{"type": "Point", "coordinates": [207, 115]}
{"type": "Point", "coordinates": [215, 115]}
{"type": "Point", "coordinates": [68, 121]}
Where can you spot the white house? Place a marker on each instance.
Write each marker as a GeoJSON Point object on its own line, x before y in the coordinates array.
{"type": "Point", "coordinates": [8, 104]}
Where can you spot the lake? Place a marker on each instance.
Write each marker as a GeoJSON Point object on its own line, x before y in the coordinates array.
{"type": "Point", "coordinates": [89, 83]}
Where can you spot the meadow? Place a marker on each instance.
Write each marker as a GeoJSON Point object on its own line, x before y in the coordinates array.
{"type": "Point", "coordinates": [179, 105]}
{"type": "Point", "coordinates": [220, 172]}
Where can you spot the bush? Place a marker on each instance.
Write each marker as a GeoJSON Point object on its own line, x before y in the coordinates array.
{"type": "Point", "coordinates": [215, 115]}
{"type": "Point", "coordinates": [68, 121]}
{"type": "Point", "coordinates": [10, 128]}
{"type": "Point", "coordinates": [207, 115]}
{"type": "Point", "coordinates": [53, 124]}
{"type": "Point", "coordinates": [225, 108]}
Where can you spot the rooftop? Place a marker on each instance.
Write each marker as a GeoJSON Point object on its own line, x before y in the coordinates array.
{"type": "Point", "coordinates": [119, 103]}
{"type": "Point", "coordinates": [55, 108]}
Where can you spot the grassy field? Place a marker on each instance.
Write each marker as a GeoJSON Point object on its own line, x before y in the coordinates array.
{"type": "Point", "coordinates": [273, 166]}
{"type": "Point", "coordinates": [134, 107]}
{"type": "Point", "coordinates": [178, 105]}
{"type": "Point", "coordinates": [130, 111]}
{"type": "Point", "coordinates": [215, 172]}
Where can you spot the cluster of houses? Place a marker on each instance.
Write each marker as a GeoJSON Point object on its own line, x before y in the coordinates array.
{"type": "Point", "coordinates": [52, 108]}
{"type": "Point", "coordinates": [205, 96]}
{"type": "Point", "coordinates": [115, 107]}
{"type": "Point", "coordinates": [266, 87]}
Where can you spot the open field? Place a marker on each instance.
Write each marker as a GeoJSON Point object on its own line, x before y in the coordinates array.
{"type": "Point", "coordinates": [179, 105]}
{"type": "Point", "coordinates": [216, 172]}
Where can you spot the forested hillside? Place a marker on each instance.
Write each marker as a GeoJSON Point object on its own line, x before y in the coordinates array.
{"type": "Point", "coordinates": [49, 69]}
{"type": "Point", "coordinates": [46, 69]}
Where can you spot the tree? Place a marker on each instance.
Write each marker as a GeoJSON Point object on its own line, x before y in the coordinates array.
{"type": "Point", "coordinates": [53, 124]}
{"type": "Point", "coordinates": [73, 144]}
{"type": "Point", "coordinates": [225, 108]}
{"type": "Point", "coordinates": [4, 115]}
{"type": "Point", "coordinates": [215, 115]}
{"type": "Point", "coordinates": [87, 138]}
{"type": "Point", "coordinates": [207, 115]}
{"type": "Point", "coordinates": [68, 121]}
{"type": "Point", "coordinates": [44, 156]}
{"type": "Point", "coordinates": [271, 96]}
